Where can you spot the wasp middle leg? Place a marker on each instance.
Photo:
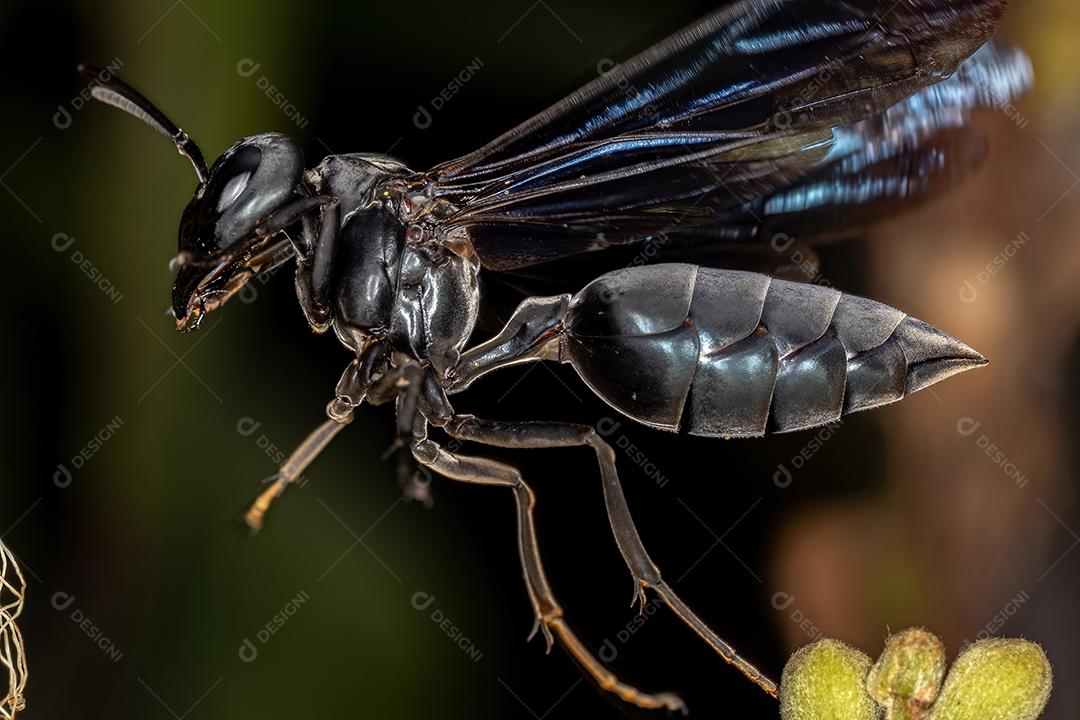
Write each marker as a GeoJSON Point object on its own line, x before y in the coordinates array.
{"type": "Point", "coordinates": [646, 573]}
{"type": "Point", "coordinates": [408, 387]}
{"type": "Point", "coordinates": [549, 614]}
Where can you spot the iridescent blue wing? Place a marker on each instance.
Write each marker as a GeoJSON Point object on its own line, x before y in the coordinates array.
{"type": "Point", "coordinates": [779, 100]}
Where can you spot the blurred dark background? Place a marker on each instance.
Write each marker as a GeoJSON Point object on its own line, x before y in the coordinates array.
{"type": "Point", "coordinates": [129, 452]}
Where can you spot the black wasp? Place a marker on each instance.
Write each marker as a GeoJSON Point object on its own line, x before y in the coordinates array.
{"type": "Point", "coordinates": [765, 118]}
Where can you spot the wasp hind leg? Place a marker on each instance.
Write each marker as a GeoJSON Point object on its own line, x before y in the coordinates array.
{"type": "Point", "coordinates": [646, 573]}
{"type": "Point", "coordinates": [549, 614]}
{"type": "Point", "coordinates": [408, 387]}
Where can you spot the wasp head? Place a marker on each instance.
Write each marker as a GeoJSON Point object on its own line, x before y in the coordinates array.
{"type": "Point", "coordinates": [220, 245]}
{"type": "Point", "coordinates": [220, 248]}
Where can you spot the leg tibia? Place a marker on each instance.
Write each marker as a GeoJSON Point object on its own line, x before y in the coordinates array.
{"type": "Point", "coordinates": [549, 614]}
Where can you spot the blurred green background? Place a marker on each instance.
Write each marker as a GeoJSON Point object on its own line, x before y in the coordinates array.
{"type": "Point", "coordinates": [147, 599]}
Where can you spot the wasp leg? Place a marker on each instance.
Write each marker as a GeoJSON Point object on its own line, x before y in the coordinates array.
{"type": "Point", "coordinates": [646, 573]}
{"type": "Point", "coordinates": [291, 470]}
{"type": "Point", "coordinates": [314, 264]}
{"type": "Point", "coordinates": [549, 614]}
{"type": "Point", "coordinates": [415, 485]}
{"type": "Point", "coordinates": [415, 482]}
{"type": "Point", "coordinates": [350, 392]}
{"type": "Point", "coordinates": [289, 214]}
{"type": "Point", "coordinates": [314, 272]}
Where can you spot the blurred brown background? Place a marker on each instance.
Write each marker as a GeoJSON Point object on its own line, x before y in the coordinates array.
{"type": "Point", "coordinates": [955, 509]}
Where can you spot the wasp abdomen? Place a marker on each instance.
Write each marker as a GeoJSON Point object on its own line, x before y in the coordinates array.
{"type": "Point", "coordinates": [722, 353]}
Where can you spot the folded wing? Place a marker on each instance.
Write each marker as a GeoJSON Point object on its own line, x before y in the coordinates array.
{"type": "Point", "coordinates": [762, 100]}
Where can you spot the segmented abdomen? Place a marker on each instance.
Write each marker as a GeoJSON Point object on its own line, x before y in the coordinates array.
{"type": "Point", "coordinates": [728, 353]}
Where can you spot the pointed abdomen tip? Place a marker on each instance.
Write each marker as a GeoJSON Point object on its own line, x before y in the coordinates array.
{"type": "Point", "coordinates": [933, 355]}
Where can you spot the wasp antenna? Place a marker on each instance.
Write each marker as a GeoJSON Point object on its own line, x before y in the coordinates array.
{"type": "Point", "coordinates": [111, 90]}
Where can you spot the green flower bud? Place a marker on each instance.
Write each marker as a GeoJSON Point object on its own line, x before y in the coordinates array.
{"type": "Point", "coordinates": [907, 676]}
{"type": "Point", "coordinates": [996, 679]}
{"type": "Point", "coordinates": [826, 681]}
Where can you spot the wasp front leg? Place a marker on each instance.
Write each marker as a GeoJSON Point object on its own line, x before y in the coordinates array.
{"type": "Point", "coordinates": [315, 262]}
{"type": "Point", "coordinates": [349, 394]}
{"type": "Point", "coordinates": [292, 469]}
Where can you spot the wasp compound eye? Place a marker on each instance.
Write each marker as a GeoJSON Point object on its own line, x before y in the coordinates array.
{"type": "Point", "coordinates": [235, 185]}
{"type": "Point", "coordinates": [251, 180]}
